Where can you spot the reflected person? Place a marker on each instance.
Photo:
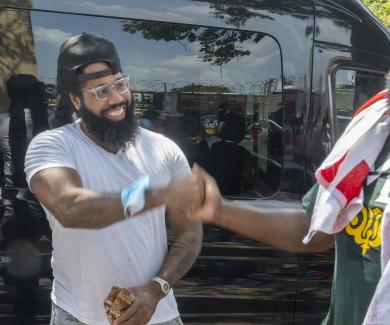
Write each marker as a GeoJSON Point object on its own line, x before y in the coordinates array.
{"type": "Point", "coordinates": [234, 171]}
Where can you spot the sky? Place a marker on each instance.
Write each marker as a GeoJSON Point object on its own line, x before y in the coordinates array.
{"type": "Point", "coordinates": [146, 61]}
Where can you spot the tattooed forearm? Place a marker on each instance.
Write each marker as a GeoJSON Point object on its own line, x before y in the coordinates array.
{"type": "Point", "coordinates": [186, 262]}
{"type": "Point", "coordinates": [61, 191]}
{"type": "Point", "coordinates": [90, 210]}
{"type": "Point", "coordinates": [181, 256]}
{"type": "Point", "coordinates": [183, 244]}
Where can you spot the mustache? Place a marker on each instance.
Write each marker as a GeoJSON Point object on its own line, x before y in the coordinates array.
{"type": "Point", "coordinates": [124, 103]}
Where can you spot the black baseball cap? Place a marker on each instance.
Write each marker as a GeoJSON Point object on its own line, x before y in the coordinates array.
{"type": "Point", "coordinates": [81, 50]}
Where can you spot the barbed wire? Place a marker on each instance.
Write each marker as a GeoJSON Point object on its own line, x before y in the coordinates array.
{"type": "Point", "coordinates": [263, 87]}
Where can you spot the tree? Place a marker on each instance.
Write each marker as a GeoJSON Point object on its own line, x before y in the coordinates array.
{"type": "Point", "coordinates": [217, 46]}
{"type": "Point", "coordinates": [220, 46]}
{"type": "Point", "coordinates": [381, 9]}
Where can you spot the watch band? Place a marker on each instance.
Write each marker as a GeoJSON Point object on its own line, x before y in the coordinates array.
{"type": "Point", "coordinates": [164, 284]}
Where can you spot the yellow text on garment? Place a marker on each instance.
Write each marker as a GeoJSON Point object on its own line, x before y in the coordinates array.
{"type": "Point", "coordinates": [366, 229]}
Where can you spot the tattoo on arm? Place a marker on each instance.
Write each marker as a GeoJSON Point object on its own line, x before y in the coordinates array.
{"type": "Point", "coordinates": [186, 262]}
{"type": "Point", "coordinates": [181, 256]}
{"type": "Point", "coordinates": [61, 191]}
{"type": "Point", "coordinates": [96, 210]}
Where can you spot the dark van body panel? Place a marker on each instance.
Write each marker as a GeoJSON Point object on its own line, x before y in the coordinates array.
{"type": "Point", "coordinates": [350, 24]}
{"type": "Point", "coordinates": [327, 56]}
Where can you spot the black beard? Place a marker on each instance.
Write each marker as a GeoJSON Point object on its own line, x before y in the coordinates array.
{"type": "Point", "coordinates": [116, 135]}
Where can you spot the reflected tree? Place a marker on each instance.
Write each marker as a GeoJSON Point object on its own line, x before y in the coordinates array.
{"type": "Point", "coordinates": [17, 47]}
{"type": "Point", "coordinates": [220, 46]}
{"type": "Point", "coordinates": [217, 46]}
{"type": "Point", "coordinates": [233, 14]}
{"type": "Point", "coordinates": [237, 12]}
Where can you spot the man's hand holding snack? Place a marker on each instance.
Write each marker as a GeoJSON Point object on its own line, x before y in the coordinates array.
{"type": "Point", "coordinates": [139, 307]}
{"type": "Point", "coordinates": [117, 301]}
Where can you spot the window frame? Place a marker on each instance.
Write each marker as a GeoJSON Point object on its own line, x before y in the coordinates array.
{"type": "Point", "coordinates": [332, 92]}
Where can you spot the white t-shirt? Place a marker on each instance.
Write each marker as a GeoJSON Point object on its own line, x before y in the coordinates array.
{"type": "Point", "coordinates": [87, 263]}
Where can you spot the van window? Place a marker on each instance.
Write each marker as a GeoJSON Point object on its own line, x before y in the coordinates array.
{"type": "Point", "coordinates": [352, 88]}
{"type": "Point", "coordinates": [216, 92]}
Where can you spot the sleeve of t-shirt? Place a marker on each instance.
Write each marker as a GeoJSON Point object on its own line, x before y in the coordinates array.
{"type": "Point", "coordinates": [178, 164]}
{"type": "Point", "coordinates": [309, 199]}
{"type": "Point", "coordinates": [47, 150]}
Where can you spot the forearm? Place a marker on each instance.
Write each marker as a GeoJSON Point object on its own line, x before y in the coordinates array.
{"type": "Point", "coordinates": [182, 254]}
{"type": "Point", "coordinates": [280, 228]}
{"type": "Point", "coordinates": [61, 191]}
{"type": "Point", "coordinates": [90, 209]}
{"type": "Point", "coordinates": [154, 197]}
{"type": "Point", "coordinates": [83, 208]}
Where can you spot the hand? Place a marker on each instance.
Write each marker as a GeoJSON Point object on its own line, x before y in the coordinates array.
{"type": "Point", "coordinates": [185, 194]}
{"type": "Point", "coordinates": [143, 307]}
{"type": "Point", "coordinates": [211, 208]}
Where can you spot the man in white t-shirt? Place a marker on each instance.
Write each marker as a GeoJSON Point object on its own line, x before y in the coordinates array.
{"type": "Point", "coordinates": [92, 176]}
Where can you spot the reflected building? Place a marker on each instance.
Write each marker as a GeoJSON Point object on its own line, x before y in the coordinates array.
{"type": "Point", "coordinates": [18, 56]}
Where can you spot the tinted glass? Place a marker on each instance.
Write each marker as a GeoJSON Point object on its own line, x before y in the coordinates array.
{"type": "Point", "coordinates": [215, 92]}
{"type": "Point", "coordinates": [352, 89]}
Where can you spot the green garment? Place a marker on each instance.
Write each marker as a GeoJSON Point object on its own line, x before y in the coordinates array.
{"type": "Point", "coordinates": [357, 251]}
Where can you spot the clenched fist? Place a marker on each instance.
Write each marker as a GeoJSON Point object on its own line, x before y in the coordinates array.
{"type": "Point", "coordinates": [185, 194]}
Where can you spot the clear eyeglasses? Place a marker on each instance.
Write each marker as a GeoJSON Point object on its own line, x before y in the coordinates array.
{"type": "Point", "coordinates": [120, 86]}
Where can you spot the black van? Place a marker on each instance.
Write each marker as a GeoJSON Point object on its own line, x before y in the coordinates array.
{"type": "Point", "coordinates": [254, 91]}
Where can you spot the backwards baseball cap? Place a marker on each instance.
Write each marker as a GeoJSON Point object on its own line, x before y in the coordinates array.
{"type": "Point", "coordinates": [81, 50]}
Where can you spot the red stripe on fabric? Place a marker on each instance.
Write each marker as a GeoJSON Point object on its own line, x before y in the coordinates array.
{"type": "Point", "coordinates": [352, 183]}
{"type": "Point", "coordinates": [371, 101]}
{"type": "Point", "coordinates": [330, 173]}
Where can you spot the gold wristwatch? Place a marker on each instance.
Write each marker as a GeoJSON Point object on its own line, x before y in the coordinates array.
{"type": "Point", "coordinates": [164, 285]}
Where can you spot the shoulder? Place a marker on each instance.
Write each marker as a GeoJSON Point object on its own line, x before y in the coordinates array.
{"type": "Point", "coordinates": [59, 138]}
{"type": "Point", "coordinates": [57, 134]}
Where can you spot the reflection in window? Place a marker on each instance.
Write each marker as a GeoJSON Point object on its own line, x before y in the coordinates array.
{"type": "Point", "coordinates": [215, 92]}
{"type": "Point", "coordinates": [23, 114]}
{"type": "Point", "coordinates": [352, 89]}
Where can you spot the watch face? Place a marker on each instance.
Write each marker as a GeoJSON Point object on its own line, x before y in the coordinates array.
{"type": "Point", "coordinates": [165, 288]}
{"type": "Point", "coordinates": [164, 285]}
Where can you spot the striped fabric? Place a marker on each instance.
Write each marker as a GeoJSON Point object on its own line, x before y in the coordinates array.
{"type": "Point", "coordinates": [343, 173]}
{"type": "Point", "coordinates": [340, 197]}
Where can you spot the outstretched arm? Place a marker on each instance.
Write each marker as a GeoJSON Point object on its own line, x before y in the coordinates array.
{"type": "Point", "coordinates": [61, 191]}
{"type": "Point", "coordinates": [280, 228]}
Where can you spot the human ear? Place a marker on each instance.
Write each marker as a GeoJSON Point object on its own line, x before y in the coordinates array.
{"type": "Point", "coordinates": [76, 101]}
